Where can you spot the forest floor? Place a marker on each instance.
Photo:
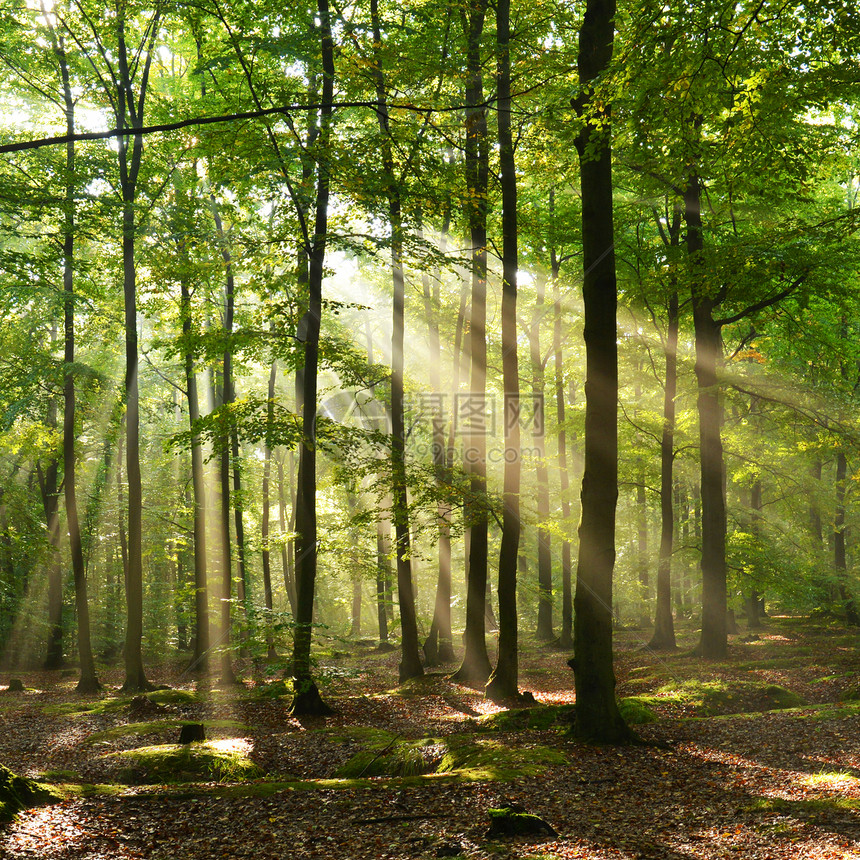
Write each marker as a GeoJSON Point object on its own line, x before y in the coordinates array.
{"type": "Point", "coordinates": [754, 757]}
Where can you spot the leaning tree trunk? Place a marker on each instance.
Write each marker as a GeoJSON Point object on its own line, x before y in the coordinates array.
{"type": "Point", "coordinates": [306, 698]}
{"type": "Point", "coordinates": [597, 714]}
{"type": "Point", "coordinates": [503, 684]}
{"type": "Point", "coordinates": [475, 667]}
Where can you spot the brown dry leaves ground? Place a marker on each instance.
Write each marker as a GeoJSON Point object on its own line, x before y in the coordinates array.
{"type": "Point", "coordinates": [775, 785]}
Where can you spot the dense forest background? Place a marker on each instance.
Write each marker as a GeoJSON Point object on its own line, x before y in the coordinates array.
{"type": "Point", "coordinates": [293, 338]}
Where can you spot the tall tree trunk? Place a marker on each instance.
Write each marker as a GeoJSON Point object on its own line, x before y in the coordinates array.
{"type": "Point", "coordinates": [840, 559]}
{"type": "Point", "coordinates": [503, 684]}
{"type": "Point", "coordinates": [753, 598]}
{"type": "Point", "coordinates": [597, 714]}
{"type": "Point", "coordinates": [714, 641]}
{"type": "Point", "coordinates": [664, 627]}
{"type": "Point", "coordinates": [438, 646]}
{"type": "Point", "coordinates": [544, 619]}
{"type": "Point", "coordinates": [566, 638]}
{"type": "Point", "coordinates": [475, 667]}
{"type": "Point", "coordinates": [267, 507]}
{"type": "Point", "coordinates": [410, 659]}
{"type": "Point", "coordinates": [49, 488]}
{"type": "Point", "coordinates": [200, 661]}
{"type": "Point", "coordinates": [130, 116]}
{"type": "Point", "coordinates": [306, 699]}
{"type": "Point", "coordinates": [286, 555]}
{"type": "Point", "coordinates": [88, 681]}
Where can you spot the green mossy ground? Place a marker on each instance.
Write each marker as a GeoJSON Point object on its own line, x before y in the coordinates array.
{"type": "Point", "coordinates": [110, 704]}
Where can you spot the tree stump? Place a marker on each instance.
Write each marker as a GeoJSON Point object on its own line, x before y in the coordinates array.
{"type": "Point", "coordinates": [192, 732]}
{"type": "Point", "coordinates": [16, 685]}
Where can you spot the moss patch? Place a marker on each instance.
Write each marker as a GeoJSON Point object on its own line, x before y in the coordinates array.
{"type": "Point", "coordinates": [805, 808]}
{"type": "Point", "coordinates": [157, 726]}
{"type": "Point", "coordinates": [186, 763]}
{"type": "Point", "coordinates": [540, 718]}
{"type": "Point", "coordinates": [394, 758]}
{"type": "Point", "coordinates": [17, 793]}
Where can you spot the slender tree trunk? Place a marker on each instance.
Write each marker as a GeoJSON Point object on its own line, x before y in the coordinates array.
{"type": "Point", "coordinates": [264, 525]}
{"type": "Point", "coordinates": [200, 661]}
{"type": "Point", "coordinates": [438, 647]}
{"type": "Point", "coordinates": [306, 699]}
{"type": "Point", "coordinates": [597, 714]}
{"type": "Point", "coordinates": [130, 153]}
{"type": "Point", "coordinates": [544, 619]}
{"type": "Point", "coordinates": [714, 642]}
{"type": "Point", "coordinates": [503, 684]}
{"type": "Point", "coordinates": [286, 555]}
{"type": "Point", "coordinates": [566, 639]}
{"type": "Point", "coordinates": [410, 662]}
{"type": "Point", "coordinates": [753, 616]}
{"type": "Point", "coordinates": [840, 559]}
{"type": "Point", "coordinates": [664, 627]}
{"type": "Point", "coordinates": [475, 668]}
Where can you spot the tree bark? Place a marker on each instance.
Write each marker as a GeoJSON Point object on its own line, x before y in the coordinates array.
{"type": "Point", "coordinates": [267, 507]}
{"type": "Point", "coordinates": [597, 715]}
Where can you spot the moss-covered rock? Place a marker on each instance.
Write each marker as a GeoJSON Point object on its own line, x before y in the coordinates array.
{"type": "Point", "coordinates": [17, 793]}
{"type": "Point", "coordinates": [515, 821]}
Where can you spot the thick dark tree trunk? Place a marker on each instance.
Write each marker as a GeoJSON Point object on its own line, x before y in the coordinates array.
{"type": "Point", "coordinates": [713, 644]}
{"type": "Point", "coordinates": [503, 684]}
{"type": "Point", "coordinates": [597, 715]}
{"type": "Point", "coordinates": [664, 627]}
{"type": "Point", "coordinates": [306, 698]}
{"type": "Point", "coordinates": [475, 668]}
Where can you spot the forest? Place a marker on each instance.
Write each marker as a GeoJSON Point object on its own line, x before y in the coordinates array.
{"type": "Point", "coordinates": [372, 368]}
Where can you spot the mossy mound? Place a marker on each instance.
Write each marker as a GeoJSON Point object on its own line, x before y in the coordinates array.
{"type": "Point", "coordinates": [482, 758]}
{"type": "Point", "coordinates": [467, 756]}
{"type": "Point", "coordinates": [396, 758]}
{"type": "Point", "coordinates": [712, 698]}
{"type": "Point", "coordinates": [166, 763]}
{"type": "Point", "coordinates": [108, 705]}
{"type": "Point", "coordinates": [514, 821]}
{"type": "Point", "coordinates": [636, 711]}
{"type": "Point", "coordinates": [17, 793]}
